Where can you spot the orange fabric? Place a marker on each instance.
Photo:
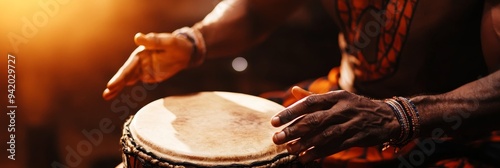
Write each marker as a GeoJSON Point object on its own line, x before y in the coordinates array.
{"type": "Point", "coordinates": [320, 85]}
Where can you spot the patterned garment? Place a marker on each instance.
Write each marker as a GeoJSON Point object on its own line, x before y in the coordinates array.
{"type": "Point", "coordinates": [386, 23]}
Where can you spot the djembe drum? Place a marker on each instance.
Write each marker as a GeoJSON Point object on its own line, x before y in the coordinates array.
{"type": "Point", "coordinates": [206, 129]}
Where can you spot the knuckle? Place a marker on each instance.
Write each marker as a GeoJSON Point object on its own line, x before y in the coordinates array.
{"type": "Point", "coordinates": [153, 37]}
{"type": "Point", "coordinates": [157, 40]}
{"type": "Point", "coordinates": [335, 130]}
{"type": "Point", "coordinates": [310, 100]}
{"type": "Point", "coordinates": [290, 131]}
{"type": "Point", "coordinates": [298, 146]}
{"type": "Point", "coordinates": [327, 133]}
{"type": "Point", "coordinates": [286, 116]}
{"type": "Point", "coordinates": [343, 93]}
{"type": "Point", "coordinates": [312, 119]}
{"type": "Point", "coordinates": [348, 108]}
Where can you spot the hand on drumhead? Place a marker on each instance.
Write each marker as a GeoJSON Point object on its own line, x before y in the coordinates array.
{"type": "Point", "coordinates": [158, 57]}
{"type": "Point", "coordinates": [324, 124]}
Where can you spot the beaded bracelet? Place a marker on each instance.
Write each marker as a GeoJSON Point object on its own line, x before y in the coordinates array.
{"type": "Point", "coordinates": [409, 121]}
{"type": "Point", "coordinates": [196, 38]}
{"type": "Point", "coordinates": [415, 116]}
{"type": "Point", "coordinates": [404, 124]}
{"type": "Point", "coordinates": [401, 121]}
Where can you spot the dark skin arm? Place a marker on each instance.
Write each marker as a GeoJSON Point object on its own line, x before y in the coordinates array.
{"type": "Point", "coordinates": [237, 25]}
{"type": "Point", "coordinates": [324, 124]}
{"type": "Point", "coordinates": [232, 27]}
{"type": "Point", "coordinates": [477, 104]}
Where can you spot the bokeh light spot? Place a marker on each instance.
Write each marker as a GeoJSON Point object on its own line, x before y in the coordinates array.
{"type": "Point", "coordinates": [240, 64]}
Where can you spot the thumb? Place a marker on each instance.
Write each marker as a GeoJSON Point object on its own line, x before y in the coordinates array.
{"type": "Point", "coordinates": [152, 41]}
{"type": "Point", "coordinates": [300, 93]}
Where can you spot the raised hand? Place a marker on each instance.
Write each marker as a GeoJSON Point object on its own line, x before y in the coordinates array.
{"type": "Point", "coordinates": [158, 57]}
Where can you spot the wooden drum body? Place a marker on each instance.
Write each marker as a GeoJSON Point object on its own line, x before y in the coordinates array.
{"type": "Point", "coordinates": [206, 129]}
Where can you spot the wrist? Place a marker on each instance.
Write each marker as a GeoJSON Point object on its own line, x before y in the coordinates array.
{"type": "Point", "coordinates": [194, 36]}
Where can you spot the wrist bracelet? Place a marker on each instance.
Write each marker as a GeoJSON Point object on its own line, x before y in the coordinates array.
{"type": "Point", "coordinates": [409, 121]}
{"type": "Point", "coordinates": [196, 38]}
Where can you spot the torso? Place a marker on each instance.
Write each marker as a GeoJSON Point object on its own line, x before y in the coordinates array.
{"type": "Point", "coordinates": [405, 47]}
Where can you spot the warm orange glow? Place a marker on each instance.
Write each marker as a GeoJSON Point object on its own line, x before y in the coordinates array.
{"type": "Point", "coordinates": [66, 52]}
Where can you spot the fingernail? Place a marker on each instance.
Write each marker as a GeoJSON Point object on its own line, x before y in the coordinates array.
{"type": "Point", "coordinates": [278, 137]}
{"type": "Point", "coordinates": [275, 121]}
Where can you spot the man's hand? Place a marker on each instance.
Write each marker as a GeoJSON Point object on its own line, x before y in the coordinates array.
{"type": "Point", "coordinates": [158, 57]}
{"type": "Point", "coordinates": [325, 124]}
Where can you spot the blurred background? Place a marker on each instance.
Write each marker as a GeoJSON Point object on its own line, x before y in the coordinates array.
{"type": "Point", "coordinates": [67, 50]}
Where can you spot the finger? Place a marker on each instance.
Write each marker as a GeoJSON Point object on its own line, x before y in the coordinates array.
{"type": "Point", "coordinates": [300, 93]}
{"type": "Point", "coordinates": [332, 140]}
{"type": "Point", "coordinates": [134, 77]}
{"type": "Point", "coordinates": [316, 153]}
{"type": "Point", "coordinates": [147, 73]}
{"type": "Point", "coordinates": [153, 41]}
{"type": "Point", "coordinates": [118, 84]}
{"type": "Point", "coordinates": [109, 94]}
{"type": "Point", "coordinates": [128, 69]}
{"type": "Point", "coordinates": [125, 75]}
{"type": "Point", "coordinates": [303, 106]}
{"type": "Point", "coordinates": [321, 151]}
{"type": "Point", "coordinates": [307, 105]}
{"type": "Point", "coordinates": [300, 127]}
{"type": "Point", "coordinates": [334, 134]}
{"type": "Point", "coordinates": [309, 124]}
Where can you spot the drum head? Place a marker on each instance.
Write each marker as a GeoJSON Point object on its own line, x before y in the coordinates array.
{"type": "Point", "coordinates": [209, 129]}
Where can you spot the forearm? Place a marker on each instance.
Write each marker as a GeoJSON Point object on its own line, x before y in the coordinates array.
{"type": "Point", "coordinates": [236, 25]}
{"type": "Point", "coordinates": [471, 109]}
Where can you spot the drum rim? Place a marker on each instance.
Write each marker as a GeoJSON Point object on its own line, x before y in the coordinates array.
{"type": "Point", "coordinates": [131, 148]}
